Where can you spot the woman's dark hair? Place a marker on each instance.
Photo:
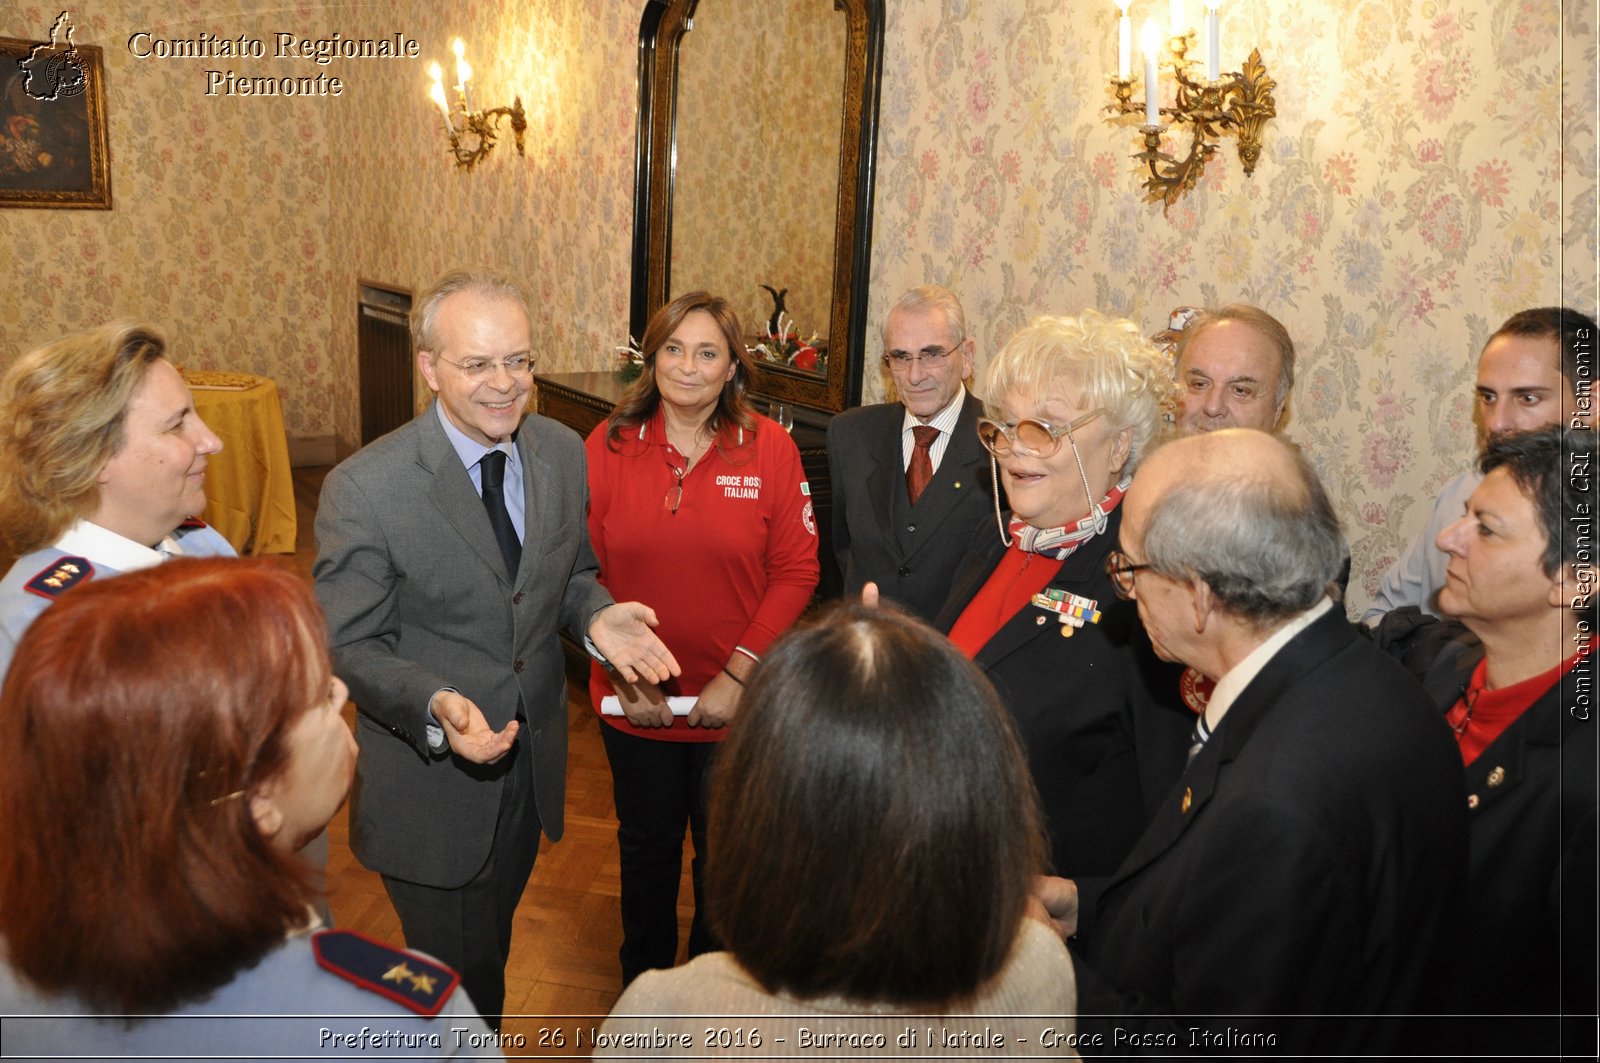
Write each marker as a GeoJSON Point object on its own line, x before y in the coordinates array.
{"type": "Point", "coordinates": [641, 400]}
{"type": "Point", "coordinates": [139, 713]}
{"type": "Point", "coordinates": [1554, 467]}
{"type": "Point", "coordinates": [874, 826]}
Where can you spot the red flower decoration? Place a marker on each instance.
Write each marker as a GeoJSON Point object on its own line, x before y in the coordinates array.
{"type": "Point", "coordinates": [805, 358]}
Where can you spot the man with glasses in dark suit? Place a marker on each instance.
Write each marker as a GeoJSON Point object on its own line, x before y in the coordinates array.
{"type": "Point", "coordinates": [1300, 885]}
{"type": "Point", "coordinates": [910, 480]}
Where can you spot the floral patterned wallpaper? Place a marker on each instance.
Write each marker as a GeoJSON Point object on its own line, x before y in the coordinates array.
{"type": "Point", "coordinates": [760, 89]}
{"type": "Point", "coordinates": [220, 208]}
{"type": "Point", "coordinates": [561, 217]}
{"type": "Point", "coordinates": [1430, 171]}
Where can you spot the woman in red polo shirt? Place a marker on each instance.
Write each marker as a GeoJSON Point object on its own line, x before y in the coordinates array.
{"type": "Point", "coordinates": [698, 507]}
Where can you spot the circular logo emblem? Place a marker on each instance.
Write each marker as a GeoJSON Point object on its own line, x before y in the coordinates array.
{"type": "Point", "coordinates": [809, 518]}
{"type": "Point", "coordinates": [1196, 689]}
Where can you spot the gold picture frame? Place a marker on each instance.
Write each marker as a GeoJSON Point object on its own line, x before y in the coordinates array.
{"type": "Point", "coordinates": [54, 151]}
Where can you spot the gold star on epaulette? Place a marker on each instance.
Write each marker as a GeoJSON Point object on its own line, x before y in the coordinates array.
{"type": "Point", "coordinates": [423, 983]}
{"type": "Point", "coordinates": [399, 973]}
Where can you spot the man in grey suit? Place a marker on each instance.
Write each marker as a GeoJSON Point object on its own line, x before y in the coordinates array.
{"type": "Point", "coordinates": [450, 552]}
{"type": "Point", "coordinates": [910, 480]}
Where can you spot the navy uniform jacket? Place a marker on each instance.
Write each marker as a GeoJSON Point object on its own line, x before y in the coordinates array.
{"type": "Point", "coordinates": [910, 552]}
{"type": "Point", "coordinates": [288, 1006]}
{"type": "Point", "coordinates": [38, 578]}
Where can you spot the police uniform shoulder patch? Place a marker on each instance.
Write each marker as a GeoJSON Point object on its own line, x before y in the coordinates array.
{"type": "Point", "coordinates": [415, 982]}
{"type": "Point", "coordinates": [62, 574]}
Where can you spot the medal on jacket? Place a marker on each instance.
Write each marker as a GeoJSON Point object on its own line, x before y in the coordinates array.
{"type": "Point", "coordinates": [1071, 610]}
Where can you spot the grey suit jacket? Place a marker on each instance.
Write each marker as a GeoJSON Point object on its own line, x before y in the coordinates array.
{"type": "Point", "coordinates": [417, 598]}
{"type": "Point", "coordinates": [867, 468]}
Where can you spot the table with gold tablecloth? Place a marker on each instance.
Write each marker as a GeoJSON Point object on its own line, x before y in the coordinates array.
{"type": "Point", "coordinates": [249, 486]}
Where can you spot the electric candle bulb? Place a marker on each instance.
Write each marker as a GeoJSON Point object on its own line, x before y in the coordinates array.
{"type": "Point", "coordinates": [1149, 41]}
{"type": "Point", "coordinates": [436, 94]}
{"type": "Point", "coordinates": [1124, 42]}
{"type": "Point", "coordinates": [463, 72]}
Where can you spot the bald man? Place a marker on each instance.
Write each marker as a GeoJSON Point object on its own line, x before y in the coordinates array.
{"type": "Point", "coordinates": [1310, 859]}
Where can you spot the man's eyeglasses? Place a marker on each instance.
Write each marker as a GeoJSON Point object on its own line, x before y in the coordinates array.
{"type": "Point", "coordinates": [1121, 568]}
{"type": "Point", "coordinates": [930, 357]}
{"type": "Point", "coordinates": [1029, 437]}
{"type": "Point", "coordinates": [480, 369]}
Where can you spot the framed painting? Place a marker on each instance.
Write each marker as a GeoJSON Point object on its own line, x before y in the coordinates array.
{"type": "Point", "coordinates": [53, 146]}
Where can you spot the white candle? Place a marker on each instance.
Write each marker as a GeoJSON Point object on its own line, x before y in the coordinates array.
{"type": "Point", "coordinates": [1213, 42]}
{"type": "Point", "coordinates": [463, 72]}
{"type": "Point", "coordinates": [1150, 40]}
{"type": "Point", "coordinates": [436, 94]}
{"type": "Point", "coordinates": [1124, 42]}
{"type": "Point", "coordinates": [1175, 13]}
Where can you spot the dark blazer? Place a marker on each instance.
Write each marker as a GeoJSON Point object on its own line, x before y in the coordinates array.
{"type": "Point", "coordinates": [1308, 862]}
{"type": "Point", "coordinates": [1098, 713]}
{"type": "Point", "coordinates": [867, 471]}
{"type": "Point", "coordinates": [1531, 893]}
{"type": "Point", "coordinates": [417, 598]}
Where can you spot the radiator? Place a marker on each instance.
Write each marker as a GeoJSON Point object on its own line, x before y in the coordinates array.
{"type": "Point", "coordinates": [383, 349]}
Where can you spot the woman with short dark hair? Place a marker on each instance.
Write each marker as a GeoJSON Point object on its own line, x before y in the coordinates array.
{"type": "Point", "coordinates": [873, 835]}
{"type": "Point", "coordinates": [1513, 669]}
{"type": "Point", "coordinates": [182, 736]}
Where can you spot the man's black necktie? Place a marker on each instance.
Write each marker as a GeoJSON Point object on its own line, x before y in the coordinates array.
{"type": "Point", "coordinates": [492, 467]}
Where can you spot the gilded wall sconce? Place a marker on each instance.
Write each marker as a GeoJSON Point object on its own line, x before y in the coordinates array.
{"type": "Point", "coordinates": [1210, 102]}
{"type": "Point", "coordinates": [475, 136]}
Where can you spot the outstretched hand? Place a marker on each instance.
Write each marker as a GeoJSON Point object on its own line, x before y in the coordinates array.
{"type": "Point", "coordinates": [622, 634]}
{"type": "Point", "coordinates": [467, 731]}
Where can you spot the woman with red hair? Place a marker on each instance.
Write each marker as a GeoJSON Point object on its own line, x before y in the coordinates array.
{"type": "Point", "coordinates": [180, 736]}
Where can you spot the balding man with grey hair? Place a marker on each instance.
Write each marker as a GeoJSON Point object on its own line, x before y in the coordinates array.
{"type": "Point", "coordinates": [1235, 369]}
{"type": "Point", "coordinates": [1310, 859]}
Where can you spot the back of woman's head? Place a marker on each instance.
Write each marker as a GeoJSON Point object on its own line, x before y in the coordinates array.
{"type": "Point", "coordinates": [873, 822]}
{"type": "Point", "coordinates": [144, 710]}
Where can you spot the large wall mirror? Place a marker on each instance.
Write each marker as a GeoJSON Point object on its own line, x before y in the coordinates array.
{"type": "Point", "coordinates": [757, 127]}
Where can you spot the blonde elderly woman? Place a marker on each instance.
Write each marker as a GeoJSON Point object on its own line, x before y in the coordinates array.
{"type": "Point", "coordinates": [1072, 403]}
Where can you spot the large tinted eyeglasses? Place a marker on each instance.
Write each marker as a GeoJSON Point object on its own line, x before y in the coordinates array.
{"type": "Point", "coordinates": [1029, 437]}
{"type": "Point", "coordinates": [930, 357]}
{"type": "Point", "coordinates": [479, 369]}
{"type": "Point", "coordinates": [1121, 568]}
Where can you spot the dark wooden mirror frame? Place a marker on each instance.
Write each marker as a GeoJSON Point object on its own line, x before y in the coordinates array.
{"type": "Point", "coordinates": [661, 30]}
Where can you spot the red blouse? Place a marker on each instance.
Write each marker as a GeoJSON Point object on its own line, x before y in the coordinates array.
{"type": "Point", "coordinates": [1019, 576]}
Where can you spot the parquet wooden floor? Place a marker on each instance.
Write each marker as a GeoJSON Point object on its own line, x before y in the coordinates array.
{"type": "Point", "coordinates": [569, 926]}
